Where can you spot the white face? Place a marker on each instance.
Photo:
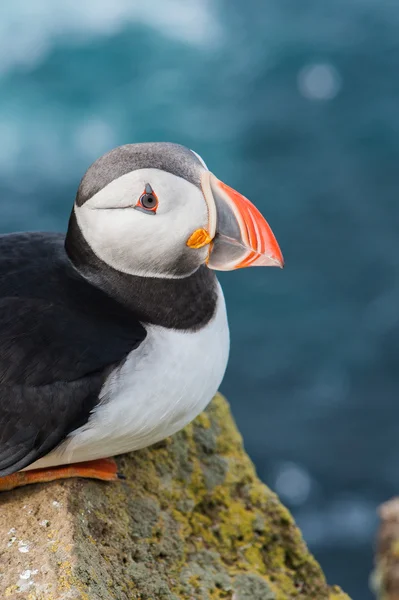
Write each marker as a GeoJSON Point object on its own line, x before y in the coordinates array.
{"type": "Point", "coordinates": [140, 242]}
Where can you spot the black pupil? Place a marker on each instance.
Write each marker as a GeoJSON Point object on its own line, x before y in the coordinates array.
{"type": "Point", "coordinates": [148, 200]}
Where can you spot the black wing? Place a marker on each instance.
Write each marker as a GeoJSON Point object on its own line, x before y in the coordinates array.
{"type": "Point", "coordinates": [59, 337]}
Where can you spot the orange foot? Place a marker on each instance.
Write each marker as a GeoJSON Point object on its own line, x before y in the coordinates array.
{"type": "Point", "coordinates": [105, 469]}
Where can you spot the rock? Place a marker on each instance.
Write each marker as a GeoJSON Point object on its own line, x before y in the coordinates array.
{"type": "Point", "coordinates": [385, 579]}
{"type": "Point", "coordinates": [191, 522]}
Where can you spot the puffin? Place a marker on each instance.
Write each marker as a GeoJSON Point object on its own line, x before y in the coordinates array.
{"type": "Point", "coordinates": [115, 335]}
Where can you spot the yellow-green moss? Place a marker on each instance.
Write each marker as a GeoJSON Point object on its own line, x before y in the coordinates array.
{"type": "Point", "coordinates": [192, 521]}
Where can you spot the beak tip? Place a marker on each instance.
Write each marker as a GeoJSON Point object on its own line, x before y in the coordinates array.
{"type": "Point", "coordinates": [277, 255]}
{"type": "Point", "coordinates": [279, 263]}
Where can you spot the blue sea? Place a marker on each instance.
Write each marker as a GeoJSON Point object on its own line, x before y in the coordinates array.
{"type": "Point", "coordinates": [296, 104]}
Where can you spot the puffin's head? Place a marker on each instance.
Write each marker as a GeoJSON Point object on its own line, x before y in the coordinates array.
{"type": "Point", "coordinates": [155, 210]}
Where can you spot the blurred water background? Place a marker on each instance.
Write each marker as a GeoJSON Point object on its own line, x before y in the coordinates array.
{"type": "Point", "coordinates": [295, 104]}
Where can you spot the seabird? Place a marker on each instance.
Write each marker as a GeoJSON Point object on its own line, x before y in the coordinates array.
{"type": "Point", "coordinates": [115, 336]}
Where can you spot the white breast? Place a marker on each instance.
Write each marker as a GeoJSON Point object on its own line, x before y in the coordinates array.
{"type": "Point", "coordinates": [162, 386]}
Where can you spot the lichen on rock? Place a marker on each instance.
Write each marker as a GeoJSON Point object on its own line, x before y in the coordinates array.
{"type": "Point", "coordinates": [191, 522]}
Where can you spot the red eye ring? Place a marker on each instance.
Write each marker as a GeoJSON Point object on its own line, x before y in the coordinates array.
{"type": "Point", "coordinates": [148, 200]}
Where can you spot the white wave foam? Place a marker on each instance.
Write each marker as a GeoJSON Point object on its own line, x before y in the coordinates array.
{"type": "Point", "coordinates": [28, 30]}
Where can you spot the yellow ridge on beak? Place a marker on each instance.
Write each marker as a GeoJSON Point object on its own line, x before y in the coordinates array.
{"type": "Point", "coordinates": [199, 239]}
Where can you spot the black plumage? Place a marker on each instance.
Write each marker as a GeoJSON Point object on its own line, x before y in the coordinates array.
{"type": "Point", "coordinates": [186, 303]}
{"type": "Point", "coordinates": [59, 337]}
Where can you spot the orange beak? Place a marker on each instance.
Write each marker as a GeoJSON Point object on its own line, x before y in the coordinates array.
{"type": "Point", "coordinates": [241, 236]}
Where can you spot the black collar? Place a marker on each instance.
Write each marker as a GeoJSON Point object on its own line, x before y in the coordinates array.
{"type": "Point", "coordinates": [188, 303]}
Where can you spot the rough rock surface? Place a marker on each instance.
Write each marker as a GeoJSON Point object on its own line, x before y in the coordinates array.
{"type": "Point", "coordinates": [191, 522]}
{"type": "Point", "coordinates": [385, 579]}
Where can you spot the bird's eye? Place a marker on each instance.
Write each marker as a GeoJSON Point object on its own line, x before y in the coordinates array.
{"type": "Point", "coordinates": [148, 200]}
